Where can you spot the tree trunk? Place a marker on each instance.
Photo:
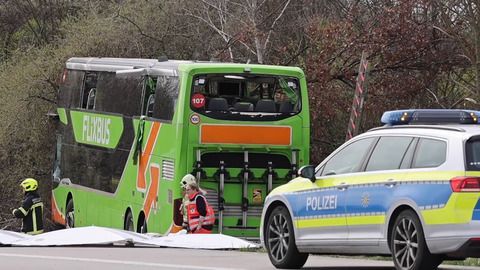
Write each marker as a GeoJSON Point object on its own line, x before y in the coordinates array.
{"type": "Point", "coordinates": [258, 46]}
{"type": "Point", "coordinates": [477, 57]}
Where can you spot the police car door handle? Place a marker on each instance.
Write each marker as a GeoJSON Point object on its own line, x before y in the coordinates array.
{"type": "Point", "coordinates": [390, 183]}
{"type": "Point", "coordinates": [343, 186]}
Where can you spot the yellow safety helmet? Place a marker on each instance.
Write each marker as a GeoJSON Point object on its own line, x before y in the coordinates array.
{"type": "Point", "coordinates": [186, 180]}
{"type": "Point", "coordinates": [29, 184]}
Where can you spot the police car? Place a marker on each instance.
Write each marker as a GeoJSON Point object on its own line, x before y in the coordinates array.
{"type": "Point", "coordinates": [409, 189]}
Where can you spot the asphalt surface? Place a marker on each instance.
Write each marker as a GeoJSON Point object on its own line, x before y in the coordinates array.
{"type": "Point", "coordinates": [119, 258]}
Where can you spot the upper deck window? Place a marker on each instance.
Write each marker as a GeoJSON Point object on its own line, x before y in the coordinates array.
{"type": "Point", "coordinates": [165, 99]}
{"type": "Point", "coordinates": [89, 90]}
{"type": "Point", "coordinates": [245, 96]}
{"type": "Point", "coordinates": [116, 94]}
{"type": "Point", "coordinates": [70, 89]}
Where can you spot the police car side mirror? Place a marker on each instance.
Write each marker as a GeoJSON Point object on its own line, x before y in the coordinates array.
{"type": "Point", "coordinates": [308, 172]}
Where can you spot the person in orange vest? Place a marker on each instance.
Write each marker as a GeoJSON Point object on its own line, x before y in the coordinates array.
{"type": "Point", "coordinates": [201, 216]}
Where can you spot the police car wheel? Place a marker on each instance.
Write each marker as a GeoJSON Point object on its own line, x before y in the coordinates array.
{"type": "Point", "coordinates": [280, 241]}
{"type": "Point", "coordinates": [70, 215]}
{"type": "Point", "coordinates": [408, 246]}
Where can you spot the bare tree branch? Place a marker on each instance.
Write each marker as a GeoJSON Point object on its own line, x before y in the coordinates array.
{"type": "Point", "coordinates": [267, 40]}
{"type": "Point", "coordinates": [435, 97]}
{"type": "Point", "coordinates": [138, 28]}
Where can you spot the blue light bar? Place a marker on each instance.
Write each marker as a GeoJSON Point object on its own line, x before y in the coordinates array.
{"type": "Point", "coordinates": [430, 116]}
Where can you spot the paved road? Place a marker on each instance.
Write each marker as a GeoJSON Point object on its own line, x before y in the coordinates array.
{"type": "Point", "coordinates": [119, 258]}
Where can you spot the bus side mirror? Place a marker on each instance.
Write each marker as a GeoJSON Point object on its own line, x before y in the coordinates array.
{"type": "Point", "coordinates": [53, 116]}
{"type": "Point", "coordinates": [308, 172]}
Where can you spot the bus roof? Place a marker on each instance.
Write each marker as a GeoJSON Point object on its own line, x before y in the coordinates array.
{"type": "Point", "coordinates": [116, 64]}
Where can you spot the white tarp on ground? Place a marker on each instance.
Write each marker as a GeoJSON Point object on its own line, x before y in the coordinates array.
{"type": "Point", "coordinates": [83, 236]}
{"type": "Point", "coordinates": [8, 237]}
{"type": "Point", "coordinates": [202, 241]}
{"type": "Point", "coordinates": [106, 236]}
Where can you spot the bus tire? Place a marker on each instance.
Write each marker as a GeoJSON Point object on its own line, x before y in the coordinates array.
{"type": "Point", "coordinates": [70, 215]}
{"type": "Point", "coordinates": [142, 223]}
{"type": "Point", "coordinates": [128, 225]}
{"type": "Point", "coordinates": [143, 228]}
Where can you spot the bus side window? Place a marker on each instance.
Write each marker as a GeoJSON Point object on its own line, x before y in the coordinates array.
{"type": "Point", "coordinates": [149, 95]}
{"type": "Point", "coordinates": [150, 104]}
{"type": "Point", "coordinates": [119, 94]}
{"type": "Point", "coordinates": [91, 99]}
{"type": "Point", "coordinates": [166, 97]}
{"type": "Point", "coordinates": [89, 83]}
{"type": "Point", "coordinates": [70, 89]}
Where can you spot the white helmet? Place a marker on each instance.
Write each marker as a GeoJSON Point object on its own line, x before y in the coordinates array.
{"type": "Point", "coordinates": [186, 180]}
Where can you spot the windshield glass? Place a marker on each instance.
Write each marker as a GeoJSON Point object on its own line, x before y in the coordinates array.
{"type": "Point", "coordinates": [245, 96]}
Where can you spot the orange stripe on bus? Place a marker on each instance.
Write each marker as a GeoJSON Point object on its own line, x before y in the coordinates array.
{"type": "Point", "coordinates": [57, 216]}
{"type": "Point", "coordinates": [145, 156]}
{"type": "Point", "coordinates": [150, 201]}
{"type": "Point", "coordinates": [267, 135]}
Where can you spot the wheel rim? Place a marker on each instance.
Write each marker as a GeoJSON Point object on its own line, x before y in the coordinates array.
{"type": "Point", "coordinates": [143, 229]}
{"type": "Point", "coordinates": [130, 226]}
{"type": "Point", "coordinates": [70, 219]}
{"type": "Point", "coordinates": [405, 243]}
{"type": "Point", "coordinates": [278, 237]}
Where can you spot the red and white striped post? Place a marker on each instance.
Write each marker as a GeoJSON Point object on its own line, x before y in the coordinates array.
{"type": "Point", "coordinates": [358, 99]}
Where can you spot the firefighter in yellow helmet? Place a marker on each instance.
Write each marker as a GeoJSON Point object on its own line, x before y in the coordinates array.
{"type": "Point", "coordinates": [186, 180]}
{"type": "Point", "coordinates": [31, 210]}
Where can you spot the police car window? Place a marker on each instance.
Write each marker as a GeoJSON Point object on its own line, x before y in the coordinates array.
{"type": "Point", "coordinates": [349, 159]}
{"type": "Point", "coordinates": [407, 158]}
{"type": "Point", "coordinates": [429, 153]}
{"type": "Point", "coordinates": [388, 153]}
{"type": "Point", "coordinates": [473, 155]}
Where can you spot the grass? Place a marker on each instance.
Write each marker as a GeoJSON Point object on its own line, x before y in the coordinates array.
{"type": "Point", "coordinates": [467, 262]}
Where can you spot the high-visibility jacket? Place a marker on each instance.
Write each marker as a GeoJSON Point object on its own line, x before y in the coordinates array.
{"type": "Point", "coordinates": [194, 216]}
{"type": "Point", "coordinates": [31, 212]}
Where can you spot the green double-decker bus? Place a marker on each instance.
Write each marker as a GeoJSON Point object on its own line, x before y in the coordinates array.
{"type": "Point", "coordinates": [130, 129]}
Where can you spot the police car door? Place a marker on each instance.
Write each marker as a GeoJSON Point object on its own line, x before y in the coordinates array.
{"type": "Point", "coordinates": [371, 194]}
{"type": "Point", "coordinates": [327, 203]}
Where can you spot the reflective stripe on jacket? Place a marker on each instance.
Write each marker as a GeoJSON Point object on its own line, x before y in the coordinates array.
{"type": "Point", "coordinates": [194, 215]}
{"type": "Point", "coordinates": [31, 212]}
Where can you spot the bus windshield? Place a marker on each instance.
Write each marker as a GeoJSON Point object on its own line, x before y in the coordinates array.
{"type": "Point", "coordinates": [245, 96]}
